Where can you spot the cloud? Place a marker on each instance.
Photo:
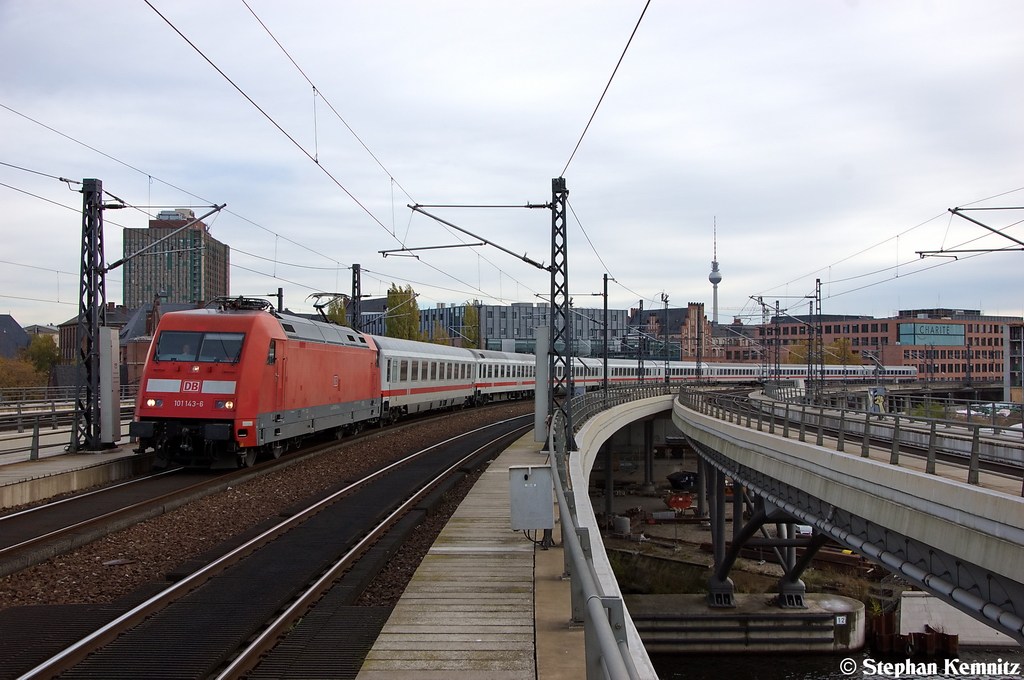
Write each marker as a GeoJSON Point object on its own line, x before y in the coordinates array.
{"type": "Point", "coordinates": [809, 132]}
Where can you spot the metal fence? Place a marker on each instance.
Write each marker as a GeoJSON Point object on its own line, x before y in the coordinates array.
{"type": "Point", "coordinates": [602, 616]}
{"type": "Point", "coordinates": [959, 442]}
{"type": "Point", "coordinates": [994, 413]}
{"type": "Point", "coordinates": [12, 396]}
{"type": "Point", "coordinates": [29, 433]}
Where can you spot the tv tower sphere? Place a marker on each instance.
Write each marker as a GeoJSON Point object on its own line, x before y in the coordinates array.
{"type": "Point", "coordinates": [715, 276]}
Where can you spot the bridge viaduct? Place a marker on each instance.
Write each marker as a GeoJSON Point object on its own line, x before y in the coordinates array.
{"type": "Point", "coordinates": [953, 531]}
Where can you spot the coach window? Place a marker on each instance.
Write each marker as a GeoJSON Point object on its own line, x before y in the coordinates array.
{"type": "Point", "coordinates": [272, 353]}
{"type": "Point", "coordinates": [433, 370]}
{"type": "Point", "coordinates": [415, 370]}
{"type": "Point", "coordinates": [404, 368]}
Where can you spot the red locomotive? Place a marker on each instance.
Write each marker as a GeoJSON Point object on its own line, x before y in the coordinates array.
{"type": "Point", "coordinates": [225, 384]}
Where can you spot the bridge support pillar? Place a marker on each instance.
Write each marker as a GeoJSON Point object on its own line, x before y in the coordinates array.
{"type": "Point", "coordinates": [791, 588]}
{"type": "Point", "coordinates": [649, 486]}
{"type": "Point", "coordinates": [702, 488]}
{"type": "Point", "coordinates": [720, 589]}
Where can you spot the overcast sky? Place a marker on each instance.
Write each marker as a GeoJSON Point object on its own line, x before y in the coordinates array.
{"type": "Point", "coordinates": [825, 139]}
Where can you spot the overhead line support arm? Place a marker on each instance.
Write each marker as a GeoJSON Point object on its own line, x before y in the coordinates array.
{"type": "Point", "coordinates": [959, 213]}
{"type": "Point", "coordinates": [418, 208]}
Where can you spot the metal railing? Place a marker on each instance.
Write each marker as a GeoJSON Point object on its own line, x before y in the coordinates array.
{"type": "Point", "coordinates": [32, 426]}
{"type": "Point", "coordinates": [970, 410]}
{"type": "Point", "coordinates": [961, 443]}
{"type": "Point", "coordinates": [603, 616]}
{"type": "Point", "coordinates": [10, 396]}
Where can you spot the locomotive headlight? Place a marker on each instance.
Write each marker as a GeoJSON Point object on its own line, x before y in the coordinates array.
{"type": "Point", "coordinates": [229, 404]}
{"type": "Point", "coordinates": [154, 402]}
{"type": "Point", "coordinates": [223, 404]}
{"type": "Point", "coordinates": [194, 369]}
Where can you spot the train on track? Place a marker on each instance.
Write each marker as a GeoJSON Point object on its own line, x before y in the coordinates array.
{"type": "Point", "coordinates": [226, 384]}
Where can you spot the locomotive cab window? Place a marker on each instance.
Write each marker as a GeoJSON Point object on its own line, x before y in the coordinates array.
{"type": "Point", "coordinates": [221, 347]}
{"type": "Point", "coordinates": [199, 347]}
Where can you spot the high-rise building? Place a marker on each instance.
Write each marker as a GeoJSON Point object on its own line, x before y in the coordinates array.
{"type": "Point", "coordinates": [191, 266]}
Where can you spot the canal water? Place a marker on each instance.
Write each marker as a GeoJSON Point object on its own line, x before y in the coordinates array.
{"type": "Point", "coordinates": [840, 667]}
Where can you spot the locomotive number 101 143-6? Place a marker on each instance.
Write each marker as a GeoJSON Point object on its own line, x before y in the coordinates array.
{"type": "Point", "coordinates": [188, 403]}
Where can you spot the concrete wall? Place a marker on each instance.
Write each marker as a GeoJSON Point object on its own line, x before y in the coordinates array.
{"type": "Point", "coordinates": [591, 436]}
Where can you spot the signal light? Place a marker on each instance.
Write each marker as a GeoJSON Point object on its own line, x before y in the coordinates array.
{"type": "Point", "coordinates": [154, 402]}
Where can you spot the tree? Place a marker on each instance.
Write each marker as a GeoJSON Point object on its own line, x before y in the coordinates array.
{"type": "Point", "coordinates": [42, 353]}
{"type": "Point", "coordinates": [403, 315]}
{"type": "Point", "coordinates": [336, 311]}
{"type": "Point", "coordinates": [797, 352]}
{"type": "Point", "coordinates": [839, 353]}
{"type": "Point", "coordinates": [20, 373]}
{"type": "Point", "coordinates": [471, 325]}
{"type": "Point", "coordinates": [439, 336]}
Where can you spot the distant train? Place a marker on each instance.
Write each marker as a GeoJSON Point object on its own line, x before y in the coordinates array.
{"type": "Point", "coordinates": [226, 384]}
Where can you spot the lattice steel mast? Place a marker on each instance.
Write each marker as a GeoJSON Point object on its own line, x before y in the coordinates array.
{"type": "Point", "coordinates": [92, 306]}
{"type": "Point", "coordinates": [561, 321]}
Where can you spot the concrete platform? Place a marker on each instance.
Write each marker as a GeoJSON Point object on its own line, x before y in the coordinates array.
{"type": "Point", "coordinates": [485, 603]}
{"type": "Point", "coordinates": [29, 481]}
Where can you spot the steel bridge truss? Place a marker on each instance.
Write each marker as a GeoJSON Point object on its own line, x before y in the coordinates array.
{"type": "Point", "coordinates": [988, 597]}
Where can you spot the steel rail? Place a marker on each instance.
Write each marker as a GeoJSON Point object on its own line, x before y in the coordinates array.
{"type": "Point", "coordinates": [108, 517]}
{"type": "Point", "coordinates": [99, 638]}
{"type": "Point", "coordinates": [84, 494]}
{"type": "Point", "coordinates": [8, 555]}
{"type": "Point", "coordinates": [266, 640]}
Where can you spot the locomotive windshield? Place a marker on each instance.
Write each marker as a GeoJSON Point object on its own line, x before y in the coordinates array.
{"type": "Point", "coordinates": [199, 347]}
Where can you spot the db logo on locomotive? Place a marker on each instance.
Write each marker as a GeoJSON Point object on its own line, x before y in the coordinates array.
{"type": "Point", "coordinates": [190, 385]}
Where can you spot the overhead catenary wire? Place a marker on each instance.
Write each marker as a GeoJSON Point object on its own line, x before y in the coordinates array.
{"type": "Point", "coordinates": [269, 118]}
{"type": "Point", "coordinates": [152, 178]}
{"type": "Point", "coordinates": [902, 233]}
{"type": "Point", "coordinates": [56, 203]}
{"type": "Point", "coordinates": [291, 138]}
{"type": "Point", "coordinates": [317, 92]}
{"type": "Point", "coordinates": [605, 91]}
{"type": "Point", "coordinates": [158, 179]}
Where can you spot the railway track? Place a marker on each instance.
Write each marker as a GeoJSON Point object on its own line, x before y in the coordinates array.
{"type": "Point", "coordinates": [738, 397]}
{"type": "Point", "coordinates": [30, 536]}
{"type": "Point", "coordinates": [245, 598]}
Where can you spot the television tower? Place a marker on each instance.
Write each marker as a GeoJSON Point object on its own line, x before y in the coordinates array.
{"type": "Point", "coordinates": [715, 277]}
